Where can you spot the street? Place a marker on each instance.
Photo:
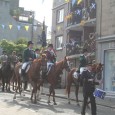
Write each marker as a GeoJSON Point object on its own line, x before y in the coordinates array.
{"type": "Point", "coordinates": [8, 106]}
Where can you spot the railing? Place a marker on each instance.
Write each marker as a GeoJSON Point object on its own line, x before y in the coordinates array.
{"type": "Point", "coordinates": [81, 14]}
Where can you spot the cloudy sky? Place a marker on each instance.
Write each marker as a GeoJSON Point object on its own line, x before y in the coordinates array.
{"type": "Point", "coordinates": [41, 10]}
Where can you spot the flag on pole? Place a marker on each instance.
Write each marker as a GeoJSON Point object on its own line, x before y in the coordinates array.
{"type": "Point", "coordinates": [43, 36]}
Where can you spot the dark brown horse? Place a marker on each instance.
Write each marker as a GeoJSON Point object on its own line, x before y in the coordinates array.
{"type": "Point", "coordinates": [6, 75]}
{"type": "Point", "coordinates": [53, 75]}
{"type": "Point", "coordinates": [96, 68]}
{"type": "Point", "coordinates": [33, 76]}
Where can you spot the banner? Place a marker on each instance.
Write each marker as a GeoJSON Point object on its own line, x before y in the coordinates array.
{"type": "Point", "coordinates": [27, 28]}
{"type": "Point", "coordinates": [10, 26]}
{"type": "Point", "coordinates": [3, 26]}
{"type": "Point", "coordinates": [19, 27]}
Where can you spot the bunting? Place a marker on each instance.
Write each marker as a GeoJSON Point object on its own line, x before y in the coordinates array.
{"type": "Point", "coordinates": [67, 0]}
{"type": "Point", "coordinates": [79, 1]}
{"type": "Point", "coordinates": [3, 26]}
{"type": "Point", "coordinates": [27, 28]}
{"type": "Point", "coordinates": [10, 26]}
{"type": "Point", "coordinates": [18, 27]}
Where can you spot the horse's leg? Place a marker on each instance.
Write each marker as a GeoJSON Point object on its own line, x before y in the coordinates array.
{"type": "Point", "coordinates": [76, 94]}
{"type": "Point", "coordinates": [68, 91]}
{"type": "Point", "coordinates": [54, 96]}
{"type": "Point", "coordinates": [3, 84]}
{"type": "Point", "coordinates": [50, 92]}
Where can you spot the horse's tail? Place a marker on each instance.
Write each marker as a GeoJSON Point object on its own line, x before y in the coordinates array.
{"type": "Point", "coordinates": [69, 80]}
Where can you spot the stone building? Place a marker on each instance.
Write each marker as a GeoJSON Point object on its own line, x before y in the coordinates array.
{"type": "Point", "coordinates": [73, 28]}
{"type": "Point", "coordinates": [106, 41]}
{"type": "Point", "coordinates": [16, 23]}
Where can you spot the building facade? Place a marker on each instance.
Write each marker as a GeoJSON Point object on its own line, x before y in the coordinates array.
{"type": "Point", "coordinates": [106, 41]}
{"type": "Point", "coordinates": [73, 28]}
{"type": "Point", "coordinates": [17, 23]}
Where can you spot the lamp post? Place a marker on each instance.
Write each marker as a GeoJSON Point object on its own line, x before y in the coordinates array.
{"type": "Point", "coordinates": [32, 16]}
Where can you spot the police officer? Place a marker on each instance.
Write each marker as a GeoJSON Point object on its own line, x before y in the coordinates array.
{"type": "Point", "coordinates": [88, 88]}
{"type": "Point", "coordinates": [28, 57]}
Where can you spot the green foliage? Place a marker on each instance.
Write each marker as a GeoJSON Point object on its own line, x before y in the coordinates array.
{"type": "Point", "coordinates": [21, 41]}
{"type": "Point", "coordinates": [10, 46]}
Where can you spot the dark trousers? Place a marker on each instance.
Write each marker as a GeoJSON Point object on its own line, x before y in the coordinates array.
{"type": "Point", "coordinates": [93, 104]}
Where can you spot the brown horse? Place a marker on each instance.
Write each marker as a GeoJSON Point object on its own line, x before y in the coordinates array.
{"type": "Point", "coordinates": [53, 75]}
{"type": "Point", "coordinates": [96, 68]}
{"type": "Point", "coordinates": [33, 76]}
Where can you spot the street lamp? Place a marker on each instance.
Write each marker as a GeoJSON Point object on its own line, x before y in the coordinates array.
{"type": "Point", "coordinates": [32, 16]}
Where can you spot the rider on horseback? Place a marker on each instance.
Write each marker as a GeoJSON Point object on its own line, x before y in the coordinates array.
{"type": "Point", "coordinates": [51, 57]}
{"type": "Point", "coordinates": [3, 58]}
{"type": "Point", "coordinates": [28, 57]}
{"type": "Point", "coordinates": [83, 61]}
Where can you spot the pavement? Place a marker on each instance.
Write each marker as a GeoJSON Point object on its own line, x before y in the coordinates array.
{"type": "Point", "coordinates": [108, 101]}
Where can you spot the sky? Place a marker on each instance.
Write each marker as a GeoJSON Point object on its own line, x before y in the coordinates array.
{"type": "Point", "coordinates": [41, 10]}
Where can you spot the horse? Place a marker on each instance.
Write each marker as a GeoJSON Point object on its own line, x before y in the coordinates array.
{"type": "Point", "coordinates": [6, 74]}
{"type": "Point", "coordinates": [52, 77]}
{"type": "Point", "coordinates": [33, 76]}
{"type": "Point", "coordinates": [96, 68]}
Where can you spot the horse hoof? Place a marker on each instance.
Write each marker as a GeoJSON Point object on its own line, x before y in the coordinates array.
{"type": "Point", "coordinates": [88, 107]}
{"type": "Point", "coordinates": [14, 97]}
{"type": "Point", "coordinates": [69, 103]}
{"type": "Point", "coordinates": [34, 102]}
{"type": "Point", "coordinates": [78, 104]}
{"type": "Point", "coordinates": [55, 103]}
{"type": "Point", "coordinates": [48, 102]}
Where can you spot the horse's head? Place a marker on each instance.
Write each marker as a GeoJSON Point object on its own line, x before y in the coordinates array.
{"type": "Point", "coordinates": [66, 64]}
{"type": "Point", "coordinates": [97, 69]}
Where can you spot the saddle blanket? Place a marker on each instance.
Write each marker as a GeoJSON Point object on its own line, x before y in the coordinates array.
{"type": "Point", "coordinates": [75, 75]}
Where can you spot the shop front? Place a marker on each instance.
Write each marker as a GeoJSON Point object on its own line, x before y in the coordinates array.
{"type": "Point", "coordinates": [109, 70]}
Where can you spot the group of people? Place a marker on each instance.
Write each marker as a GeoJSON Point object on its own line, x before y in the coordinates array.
{"type": "Point", "coordinates": [29, 55]}
{"type": "Point", "coordinates": [84, 70]}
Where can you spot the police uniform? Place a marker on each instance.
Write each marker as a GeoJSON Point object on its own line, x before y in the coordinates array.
{"type": "Point", "coordinates": [88, 89]}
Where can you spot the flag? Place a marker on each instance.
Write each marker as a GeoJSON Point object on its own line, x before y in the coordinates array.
{"type": "Point", "coordinates": [67, 0]}
{"type": "Point", "coordinates": [43, 36]}
{"type": "Point", "coordinates": [79, 1]}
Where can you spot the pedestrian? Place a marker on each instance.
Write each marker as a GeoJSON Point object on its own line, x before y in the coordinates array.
{"type": "Point", "coordinates": [88, 78]}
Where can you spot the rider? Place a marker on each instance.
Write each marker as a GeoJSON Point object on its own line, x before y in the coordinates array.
{"type": "Point", "coordinates": [51, 57]}
{"type": "Point", "coordinates": [28, 57]}
{"type": "Point", "coordinates": [83, 61]}
{"type": "Point", "coordinates": [3, 58]}
{"type": "Point", "coordinates": [37, 53]}
{"type": "Point", "coordinates": [14, 58]}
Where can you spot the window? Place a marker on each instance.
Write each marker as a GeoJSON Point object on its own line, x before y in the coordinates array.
{"type": "Point", "coordinates": [60, 16]}
{"type": "Point", "coordinates": [59, 42]}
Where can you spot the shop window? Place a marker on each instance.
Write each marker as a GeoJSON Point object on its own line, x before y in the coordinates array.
{"type": "Point", "coordinates": [109, 73]}
{"type": "Point", "coordinates": [60, 15]}
{"type": "Point", "coordinates": [59, 41]}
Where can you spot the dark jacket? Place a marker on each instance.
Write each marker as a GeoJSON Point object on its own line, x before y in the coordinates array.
{"type": "Point", "coordinates": [50, 57]}
{"type": "Point", "coordinates": [28, 54]}
{"type": "Point", "coordinates": [88, 86]}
